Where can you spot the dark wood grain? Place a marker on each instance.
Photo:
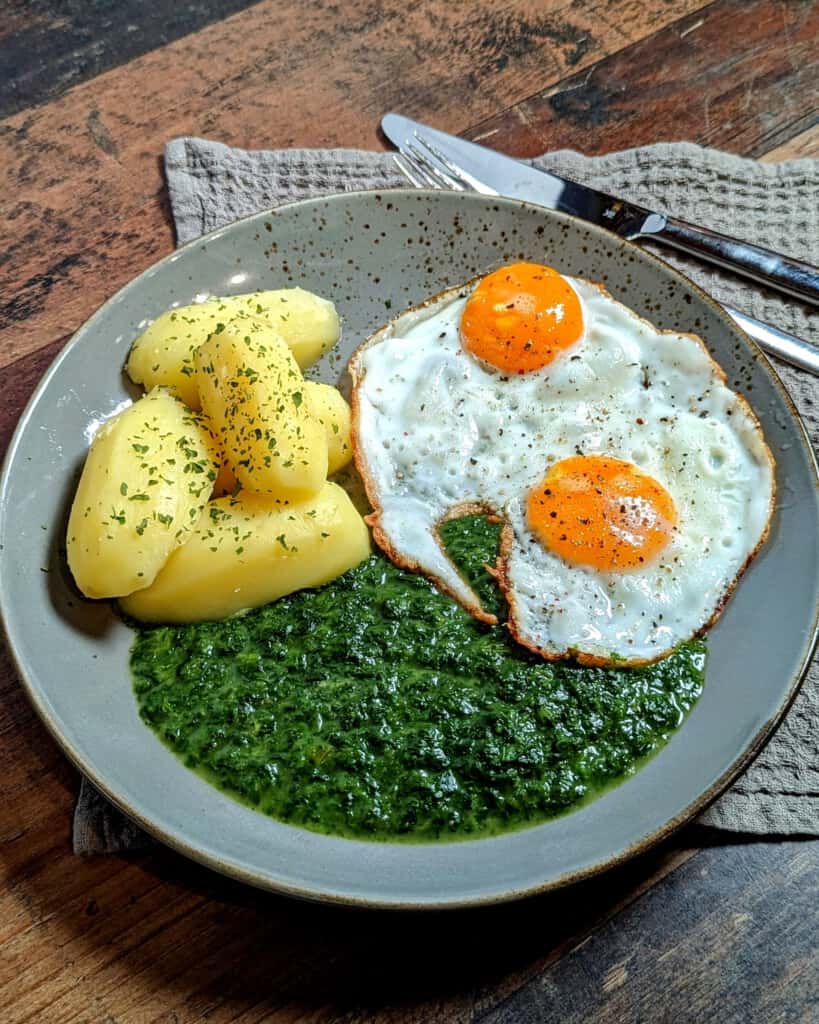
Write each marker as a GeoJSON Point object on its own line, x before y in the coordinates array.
{"type": "Point", "coordinates": [739, 75]}
{"type": "Point", "coordinates": [47, 46]}
{"type": "Point", "coordinates": [688, 932]}
{"type": "Point", "coordinates": [84, 175]}
{"type": "Point", "coordinates": [721, 941]}
{"type": "Point", "coordinates": [254, 953]}
{"type": "Point", "coordinates": [17, 382]}
{"type": "Point", "coordinates": [726, 934]}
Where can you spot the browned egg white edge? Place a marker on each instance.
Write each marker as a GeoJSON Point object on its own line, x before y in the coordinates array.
{"type": "Point", "coordinates": [500, 569]}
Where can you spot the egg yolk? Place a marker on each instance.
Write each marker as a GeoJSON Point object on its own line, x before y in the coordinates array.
{"type": "Point", "coordinates": [601, 512]}
{"type": "Point", "coordinates": [521, 317]}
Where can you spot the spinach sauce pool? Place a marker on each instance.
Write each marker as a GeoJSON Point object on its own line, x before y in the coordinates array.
{"type": "Point", "coordinates": [376, 708]}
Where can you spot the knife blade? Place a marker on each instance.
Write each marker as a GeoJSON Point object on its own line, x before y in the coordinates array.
{"type": "Point", "coordinates": [510, 177]}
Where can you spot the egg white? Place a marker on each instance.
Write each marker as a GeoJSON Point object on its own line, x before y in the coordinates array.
{"type": "Point", "coordinates": [436, 430]}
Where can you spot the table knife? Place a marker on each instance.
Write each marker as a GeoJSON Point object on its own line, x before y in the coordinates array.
{"type": "Point", "coordinates": [510, 177]}
{"type": "Point", "coordinates": [413, 141]}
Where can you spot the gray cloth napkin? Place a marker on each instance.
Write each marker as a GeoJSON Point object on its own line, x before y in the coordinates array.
{"type": "Point", "coordinates": [773, 204]}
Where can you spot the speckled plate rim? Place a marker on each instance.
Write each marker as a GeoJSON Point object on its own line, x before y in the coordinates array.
{"type": "Point", "coordinates": [235, 869]}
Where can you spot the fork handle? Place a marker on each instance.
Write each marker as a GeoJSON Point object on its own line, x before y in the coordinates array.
{"type": "Point", "coordinates": [787, 346]}
{"type": "Point", "coordinates": [764, 266]}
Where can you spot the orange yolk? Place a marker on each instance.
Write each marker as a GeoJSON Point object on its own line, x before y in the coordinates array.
{"type": "Point", "coordinates": [521, 317]}
{"type": "Point", "coordinates": [601, 512]}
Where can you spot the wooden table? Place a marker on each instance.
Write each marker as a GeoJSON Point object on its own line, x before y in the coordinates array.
{"type": "Point", "coordinates": [705, 928]}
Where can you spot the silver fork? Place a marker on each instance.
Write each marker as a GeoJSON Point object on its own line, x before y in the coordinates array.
{"type": "Point", "coordinates": [425, 166]}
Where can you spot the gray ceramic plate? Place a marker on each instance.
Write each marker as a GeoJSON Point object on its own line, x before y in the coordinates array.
{"type": "Point", "coordinates": [373, 255]}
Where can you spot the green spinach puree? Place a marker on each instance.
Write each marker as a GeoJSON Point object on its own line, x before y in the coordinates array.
{"type": "Point", "coordinates": [375, 707]}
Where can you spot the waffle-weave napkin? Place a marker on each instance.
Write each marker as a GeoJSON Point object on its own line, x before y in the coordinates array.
{"type": "Point", "coordinates": [776, 205]}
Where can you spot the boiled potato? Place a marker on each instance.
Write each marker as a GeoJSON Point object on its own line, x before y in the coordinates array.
{"type": "Point", "coordinates": [163, 354]}
{"type": "Point", "coordinates": [225, 482]}
{"type": "Point", "coordinates": [253, 393]}
{"type": "Point", "coordinates": [308, 323]}
{"type": "Point", "coordinates": [247, 551]}
{"type": "Point", "coordinates": [331, 410]}
{"type": "Point", "coordinates": [333, 413]}
{"type": "Point", "coordinates": [147, 477]}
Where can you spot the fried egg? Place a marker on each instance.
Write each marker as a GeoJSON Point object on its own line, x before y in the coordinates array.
{"type": "Point", "coordinates": [634, 485]}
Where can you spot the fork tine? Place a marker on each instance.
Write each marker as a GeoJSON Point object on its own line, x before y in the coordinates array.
{"type": "Point", "coordinates": [444, 179]}
{"type": "Point", "coordinates": [408, 169]}
{"type": "Point", "coordinates": [420, 170]}
{"type": "Point", "coordinates": [452, 169]}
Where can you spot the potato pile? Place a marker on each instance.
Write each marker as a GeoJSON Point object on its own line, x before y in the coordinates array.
{"type": "Point", "coordinates": [209, 495]}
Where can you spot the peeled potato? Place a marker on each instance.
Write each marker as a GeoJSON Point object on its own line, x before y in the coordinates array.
{"type": "Point", "coordinates": [333, 413]}
{"type": "Point", "coordinates": [254, 395]}
{"type": "Point", "coordinates": [308, 323]}
{"type": "Point", "coordinates": [164, 353]}
{"type": "Point", "coordinates": [225, 482]}
{"type": "Point", "coordinates": [146, 479]}
{"type": "Point", "coordinates": [247, 551]}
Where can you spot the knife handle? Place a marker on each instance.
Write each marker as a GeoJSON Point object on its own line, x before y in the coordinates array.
{"type": "Point", "coordinates": [764, 266]}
